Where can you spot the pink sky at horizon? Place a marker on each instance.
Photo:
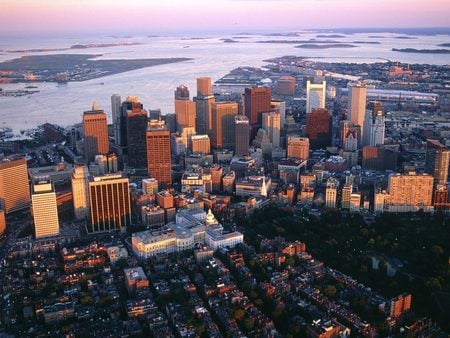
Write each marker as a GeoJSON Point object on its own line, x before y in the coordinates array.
{"type": "Point", "coordinates": [50, 16]}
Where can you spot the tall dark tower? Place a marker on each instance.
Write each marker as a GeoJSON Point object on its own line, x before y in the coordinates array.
{"type": "Point", "coordinates": [242, 133]}
{"type": "Point", "coordinates": [136, 137]}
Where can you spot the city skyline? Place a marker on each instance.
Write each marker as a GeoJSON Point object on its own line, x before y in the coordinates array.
{"type": "Point", "coordinates": [137, 16]}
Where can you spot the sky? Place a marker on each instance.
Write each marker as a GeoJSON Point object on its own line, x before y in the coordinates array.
{"type": "Point", "coordinates": [156, 16]}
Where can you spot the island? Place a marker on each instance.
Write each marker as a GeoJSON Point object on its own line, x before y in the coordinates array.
{"type": "Point", "coordinates": [71, 67]}
{"type": "Point", "coordinates": [367, 42]}
{"type": "Point", "coordinates": [421, 51]}
{"type": "Point", "coordinates": [335, 45]}
{"type": "Point", "coordinates": [444, 45]}
{"type": "Point", "coordinates": [76, 46]}
{"type": "Point", "coordinates": [229, 41]}
{"type": "Point", "coordinates": [333, 36]}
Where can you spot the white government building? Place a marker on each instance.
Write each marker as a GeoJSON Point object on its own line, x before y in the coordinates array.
{"type": "Point", "coordinates": [192, 227]}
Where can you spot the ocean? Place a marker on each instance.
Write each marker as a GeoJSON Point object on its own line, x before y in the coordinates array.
{"type": "Point", "coordinates": [63, 104]}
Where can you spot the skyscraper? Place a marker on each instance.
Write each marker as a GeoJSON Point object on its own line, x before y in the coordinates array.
{"type": "Point", "coordinates": [286, 85]}
{"type": "Point", "coordinates": [257, 101]}
{"type": "Point", "coordinates": [14, 186]}
{"type": "Point", "coordinates": [315, 95]}
{"type": "Point", "coordinates": [204, 87]}
{"type": "Point", "coordinates": [110, 203]}
{"type": "Point", "coordinates": [45, 210]}
{"type": "Point", "coordinates": [437, 161]}
{"type": "Point", "coordinates": [374, 125]}
{"type": "Point", "coordinates": [80, 191]}
{"type": "Point", "coordinates": [357, 94]}
{"type": "Point", "coordinates": [131, 103]}
{"type": "Point", "coordinates": [242, 135]}
{"type": "Point", "coordinates": [158, 152]}
{"type": "Point", "coordinates": [318, 128]}
{"type": "Point", "coordinates": [115, 111]}
{"type": "Point", "coordinates": [136, 137]}
{"type": "Point", "coordinates": [271, 122]}
{"type": "Point", "coordinates": [279, 106]}
{"type": "Point", "coordinates": [410, 192]}
{"type": "Point", "coordinates": [298, 147]}
{"type": "Point", "coordinates": [223, 133]}
{"type": "Point", "coordinates": [184, 108]}
{"type": "Point", "coordinates": [95, 129]}
{"type": "Point", "coordinates": [331, 192]}
{"type": "Point", "coordinates": [203, 104]}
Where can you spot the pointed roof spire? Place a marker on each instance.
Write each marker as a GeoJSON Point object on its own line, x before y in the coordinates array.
{"type": "Point", "coordinates": [94, 105]}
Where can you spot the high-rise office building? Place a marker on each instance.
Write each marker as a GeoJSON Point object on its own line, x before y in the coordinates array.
{"type": "Point", "coordinates": [95, 129]}
{"type": "Point", "coordinates": [184, 108]}
{"type": "Point", "coordinates": [200, 144]}
{"type": "Point", "coordinates": [45, 210]}
{"type": "Point", "coordinates": [374, 125]}
{"type": "Point", "coordinates": [331, 192]}
{"type": "Point", "coordinates": [158, 152]}
{"type": "Point", "coordinates": [437, 161]}
{"type": "Point", "coordinates": [110, 203]}
{"type": "Point", "coordinates": [204, 87]}
{"type": "Point", "coordinates": [14, 186]}
{"type": "Point", "coordinates": [223, 133]}
{"type": "Point", "coordinates": [80, 191]}
{"type": "Point", "coordinates": [271, 122]}
{"type": "Point", "coordinates": [242, 135]}
{"type": "Point", "coordinates": [2, 222]}
{"type": "Point", "coordinates": [286, 85]}
{"type": "Point", "coordinates": [318, 128]}
{"type": "Point", "coordinates": [298, 147]}
{"type": "Point", "coordinates": [116, 112]}
{"type": "Point", "coordinates": [410, 192]}
{"type": "Point", "coordinates": [257, 101]}
{"type": "Point", "coordinates": [136, 137]}
{"type": "Point", "coordinates": [132, 103]}
{"type": "Point", "coordinates": [347, 191]}
{"type": "Point", "coordinates": [357, 94]}
{"type": "Point", "coordinates": [203, 105]}
{"type": "Point", "coordinates": [280, 107]}
{"type": "Point", "coordinates": [315, 95]}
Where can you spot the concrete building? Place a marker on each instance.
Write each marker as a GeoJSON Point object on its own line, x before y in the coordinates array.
{"type": "Point", "coordinates": [347, 190]}
{"type": "Point", "coordinates": [95, 130]}
{"type": "Point", "coordinates": [331, 192]}
{"type": "Point", "coordinates": [289, 169]}
{"type": "Point", "coordinates": [256, 186]}
{"type": "Point", "coordinates": [271, 122]}
{"type": "Point", "coordinates": [399, 305]}
{"type": "Point", "coordinates": [280, 107]}
{"type": "Point", "coordinates": [135, 279]}
{"type": "Point", "coordinates": [223, 119]}
{"type": "Point", "coordinates": [410, 192]}
{"type": "Point", "coordinates": [158, 152]}
{"type": "Point", "coordinates": [374, 125]}
{"type": "Point", "coordinates": [153, 216]}
{"type": "Point", "coordinates": [257, 101]}
{"type": "Point", "coordinates": [80, 191]}
{"type": "Point", "coordinates": [59, 173]}
{"type": "Point", "coordinates": [136, 133]}
{"type": "Point", "coordinates": [437, 161]}
{"type": "Point", "coordinates": [200, 144]}
{"type": "Point", "coordinates": [203, 104]}
{"type": "Point", "coordinates": [14, 186]}
{"type": "Point", "coordinates": [318, 128]}
{"type": "Point", "coordinates": [286, 85]}
{"type": "Point", "coordinates": [109, 198]}
{"type": "Point", "coordinates": [150, 186]}
{"type": "Point", "coordinates": [298, 147]}
{"type": "Point", "coordinates": [2, 222]}
{"type": "Point", "coordinates": [185, 110]}
{"type": "Point", "coordinates": [357, 94]}
{"type": "Point", "coordinates": [45, 210]}
{"type": "Point", "coordinates": [315, 95]}
{"type": "Point", "coordinates": [242, 135]}
{"type": "Point", "coordinates": [116, 112]}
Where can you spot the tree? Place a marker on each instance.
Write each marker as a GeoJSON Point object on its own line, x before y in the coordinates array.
{"type": "Point", "coordinates": [330, 291]}
{"type": "Point", "coordinates": [248, 324]}
{"type": "Point", "coordinates": [238, 314]}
